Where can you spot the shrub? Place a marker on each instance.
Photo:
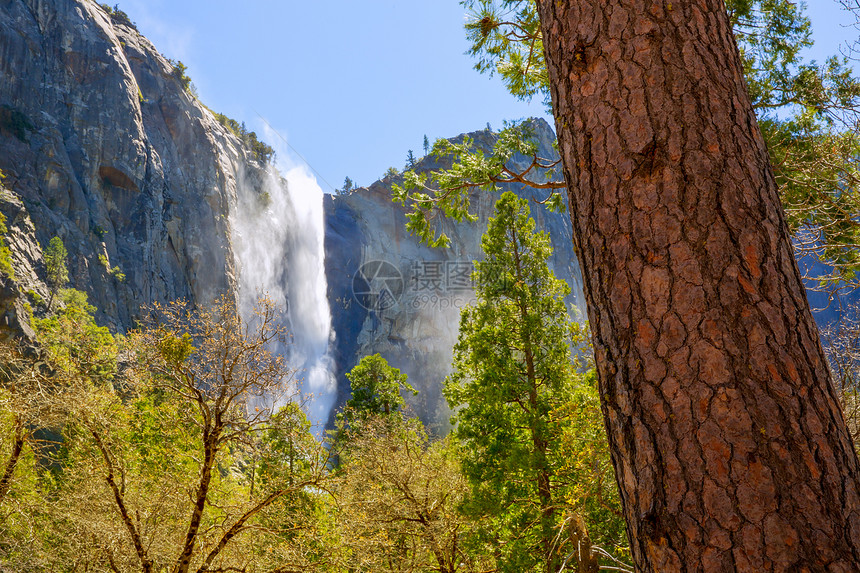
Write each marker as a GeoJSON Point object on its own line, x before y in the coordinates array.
{"type": "Point", "coordinates": [115, 272]}
{"type": "Point", "coordinates": [99, 231]}
{"type": "Point", "coordinates": [6, 267]}
{"type": "Point", "coordinates": [259, 149]}
{"type": "Point", "coordinates": [118, 16]}
{"type": "Point", "coordinates": [35, 298]}
{"type": "Point", "coordinates": [29, 313]}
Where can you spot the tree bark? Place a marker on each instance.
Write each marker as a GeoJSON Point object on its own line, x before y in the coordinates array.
{"type": "Point", "coordinates": [12, 462]}
{"type": "Point", "coordinates": [726, 434]}
{"type": "Point", "coordinates": [210, 451]}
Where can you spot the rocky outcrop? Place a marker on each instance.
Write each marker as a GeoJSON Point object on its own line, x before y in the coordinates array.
{"type": "Point", "coordinates": [102, 145]}
{"type": "Point", "coordinates": [22, 290]}
{"type": "Point", "coordinates": [391, 295]}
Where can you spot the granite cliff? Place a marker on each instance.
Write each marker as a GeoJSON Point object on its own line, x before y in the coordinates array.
{"type": "Point", "coordinates": [391, 295]}
{"type": "Point", "coordinates": [102, 145]}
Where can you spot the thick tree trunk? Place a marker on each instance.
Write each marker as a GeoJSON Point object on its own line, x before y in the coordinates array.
{"type": "Point", "coordinates": [727, 438]}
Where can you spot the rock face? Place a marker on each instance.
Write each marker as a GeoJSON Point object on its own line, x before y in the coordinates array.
{"type": "Point", "coordinates": [393, 296]}
{"type": "Point", "coordinates": [103, 146]}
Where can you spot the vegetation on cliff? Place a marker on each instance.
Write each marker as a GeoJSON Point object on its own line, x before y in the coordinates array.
{"type": "Point", "coordinates": [260, 150]}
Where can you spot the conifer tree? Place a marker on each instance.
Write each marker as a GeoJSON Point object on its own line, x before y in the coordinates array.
{"type": "Point", "coordinates": [55, 261]}
{"type": "Point", "coordinates": [723, 422]}
{"type": "Point", "coordinates": [348, 186]}
{"type": "Point", "coordinates": [512, 367]}
{"type": "Point", "coordinates": [376, 388]}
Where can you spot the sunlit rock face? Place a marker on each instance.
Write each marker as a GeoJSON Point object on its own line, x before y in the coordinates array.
{"type": "Point", "coordinates": [102, 146]}
{"type": "Point", "coordinates": [393, 296]}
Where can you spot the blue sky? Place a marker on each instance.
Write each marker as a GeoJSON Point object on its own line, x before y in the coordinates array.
{"type": "Point", "coordinates": [352, 85]}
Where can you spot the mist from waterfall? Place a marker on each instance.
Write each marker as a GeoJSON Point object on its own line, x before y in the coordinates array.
{"type": "Point", "coordinates": [278, 234]}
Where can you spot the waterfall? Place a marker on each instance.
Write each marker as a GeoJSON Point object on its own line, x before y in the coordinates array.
{"type": "Point", "coordinates": [278, 234]}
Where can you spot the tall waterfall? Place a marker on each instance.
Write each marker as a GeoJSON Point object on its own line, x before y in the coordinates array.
{"type": "Point", "coordinates": [278, 234]}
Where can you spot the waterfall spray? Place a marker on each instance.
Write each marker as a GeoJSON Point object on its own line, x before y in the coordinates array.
{"type": "Point", "coordinates": [278, 234]}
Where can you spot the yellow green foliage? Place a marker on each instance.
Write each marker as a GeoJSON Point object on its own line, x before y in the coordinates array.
{"type": "Point", "coordinates": [6, 267]}
{"type": "Point", "coordinates": [75, 343]}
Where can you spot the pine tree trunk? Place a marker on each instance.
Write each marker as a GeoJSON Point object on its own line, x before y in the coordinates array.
{"type": "Point", "coordinates": [727, 438]}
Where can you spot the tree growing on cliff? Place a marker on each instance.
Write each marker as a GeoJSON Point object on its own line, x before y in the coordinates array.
{"type": "Point", "coordinates": [55, 263]}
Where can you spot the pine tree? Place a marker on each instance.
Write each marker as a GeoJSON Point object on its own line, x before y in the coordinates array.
{"type": "Point", "coordinates": [348, 186]}
{"type": "Point", "coordinates": [807, 112]}
{"type": "Point", "coordinates": [722, 420]}
{"type": "Point", "coordinates": [512, 367]}
{"type": "Point", "coordinates": [55, 262]}
{"type": "Point", "coordinates": [376, 388]}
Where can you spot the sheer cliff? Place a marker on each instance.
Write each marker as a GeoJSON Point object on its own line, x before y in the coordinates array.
{"type": "Point", "coordinates": [391, 295]}
{"type": "Point", "coordinates": [102, 144]}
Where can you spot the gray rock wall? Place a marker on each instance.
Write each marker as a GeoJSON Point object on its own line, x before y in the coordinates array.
{"type": "Point", "coordinates": [415, 325]}
{"type": "Point", "coordinates": [102, 146]}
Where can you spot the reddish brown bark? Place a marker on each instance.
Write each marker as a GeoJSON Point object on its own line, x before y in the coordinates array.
{"type": "Point", "coordinates": [726, 435]}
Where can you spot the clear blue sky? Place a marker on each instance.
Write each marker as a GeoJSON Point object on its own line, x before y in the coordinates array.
{"type": "Point", "coordinates": [353, 85]}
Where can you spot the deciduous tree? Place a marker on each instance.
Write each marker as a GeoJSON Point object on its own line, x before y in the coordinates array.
{"type": "Point", "coordinates": [398, 502]}
{"type": "Point", "coordinates": [181, 461]}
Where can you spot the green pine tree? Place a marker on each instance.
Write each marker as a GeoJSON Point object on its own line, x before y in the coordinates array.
{"type": "Point", "coordinates": [376, 388]}
{"type": "Point", "coordinates": [807, 112]}
{"type": "Point", "coordinates": [348, 185]}
{"type": "Point", "coordinates": [512, 372]}
{"type": "Point", "coordinates": [55, 261]}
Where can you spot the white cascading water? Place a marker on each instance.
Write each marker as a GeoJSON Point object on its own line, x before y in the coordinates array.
{"type": "Point", "coordinates": [278, 240]}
